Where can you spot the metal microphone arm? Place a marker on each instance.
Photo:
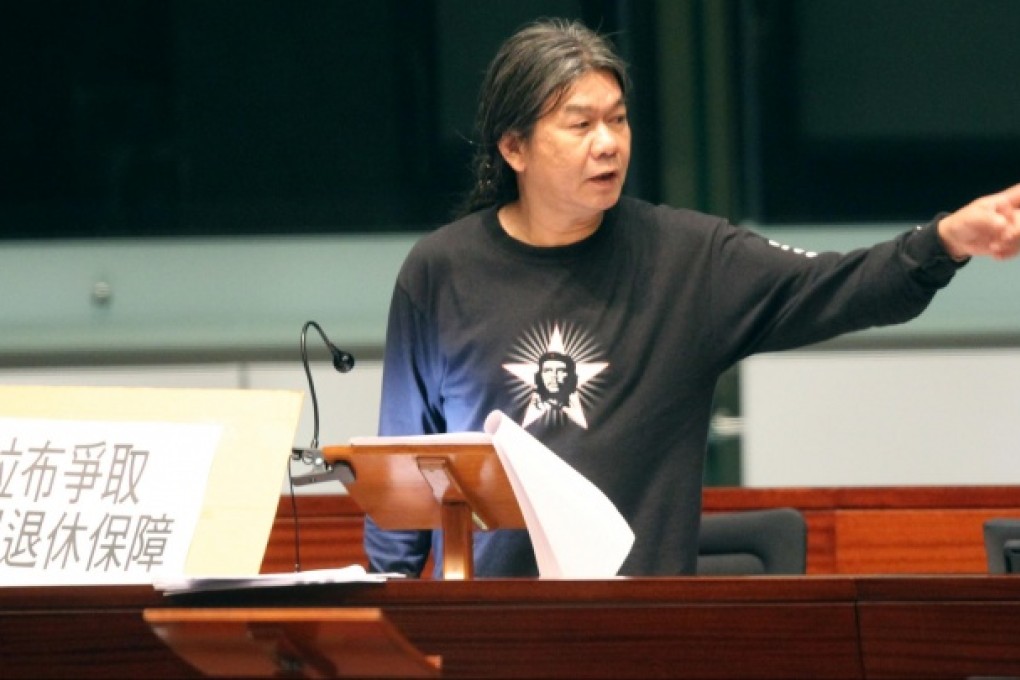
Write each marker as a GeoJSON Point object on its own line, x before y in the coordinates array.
{"type": "Point", "coordinates": [312, 455]}
{"type": "Point", "coordinates": [342, 362]}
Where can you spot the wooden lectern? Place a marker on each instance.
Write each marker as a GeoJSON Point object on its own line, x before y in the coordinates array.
{"type": "Point", "coordinates": [456, 487]}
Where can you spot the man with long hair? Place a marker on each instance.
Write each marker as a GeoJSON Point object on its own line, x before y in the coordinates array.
{"type": "Point", "coordinates": [651, 303]}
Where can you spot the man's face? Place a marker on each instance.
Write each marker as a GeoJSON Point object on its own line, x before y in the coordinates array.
{"type": "Point", "coordinates": [575, 162]}
{"type": "Point", "coordinates": [554, 373]}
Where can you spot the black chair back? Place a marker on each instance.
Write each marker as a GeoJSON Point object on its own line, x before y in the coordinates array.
{"type": "Point", "coordinates": [1002, 545]}
{"type": "Point", "coordinates": [770, 541]}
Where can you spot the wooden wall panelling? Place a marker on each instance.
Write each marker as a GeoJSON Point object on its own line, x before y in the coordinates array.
{"type": "Point", "coordinates": [885, 530]}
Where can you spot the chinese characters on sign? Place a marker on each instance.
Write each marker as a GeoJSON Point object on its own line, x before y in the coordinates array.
{"type": "Point", "coordinates": [99, 502]}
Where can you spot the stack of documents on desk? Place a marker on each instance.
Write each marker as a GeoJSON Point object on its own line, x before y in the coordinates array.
{"type": "Point", "coordinates": [352, 574]}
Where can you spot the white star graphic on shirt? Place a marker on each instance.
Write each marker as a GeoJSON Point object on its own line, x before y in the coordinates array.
{"type": "Point", "coordinates": [585, 371]}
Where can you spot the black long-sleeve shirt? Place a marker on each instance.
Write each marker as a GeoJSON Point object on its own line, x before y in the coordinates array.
{"type": "Point", "coordinates": [648, 311]}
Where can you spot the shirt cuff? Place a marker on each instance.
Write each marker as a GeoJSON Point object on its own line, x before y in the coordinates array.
{"type": "Point", "coordinates": [928, 256]}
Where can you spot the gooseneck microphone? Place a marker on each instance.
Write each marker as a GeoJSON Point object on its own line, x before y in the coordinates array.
{"type": "Point", "coordinates": [342, 362]}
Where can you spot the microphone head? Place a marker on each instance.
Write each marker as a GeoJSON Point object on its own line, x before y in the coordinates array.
{"type": "Point", "coordinates": [342, 361]}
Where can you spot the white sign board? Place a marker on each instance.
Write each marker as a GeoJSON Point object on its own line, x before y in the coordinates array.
{"type": "Point", "coordinates": [116, 485]}
{"type": "Point", "coordinates": [99, 501]}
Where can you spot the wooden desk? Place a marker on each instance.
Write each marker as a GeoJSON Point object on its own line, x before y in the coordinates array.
{"type": "Point", "coordinates": [91, 632]}
{"type": "Point", "coordinates": [665, 628]}
{"type": "Point", "coordinates": [939, 627]}
{"type": "Point", "coordinates": [761, 627]}
{"type": "Point", "coordinates": [844, 620]}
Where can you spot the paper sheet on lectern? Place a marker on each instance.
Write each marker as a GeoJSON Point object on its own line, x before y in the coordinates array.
{"type": "Point", "coordinates": [575, 529]}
